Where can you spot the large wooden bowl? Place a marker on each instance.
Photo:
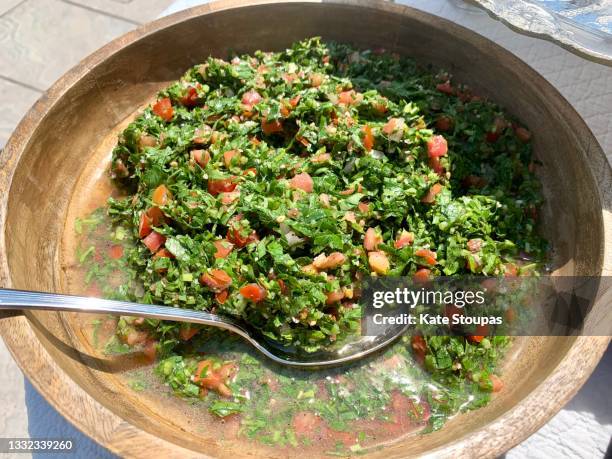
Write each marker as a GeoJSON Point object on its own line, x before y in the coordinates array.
{"type": "Point", "coordinates": [42, 168]}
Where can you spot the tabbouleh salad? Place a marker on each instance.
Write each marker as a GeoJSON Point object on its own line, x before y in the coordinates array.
{"type": "Point", "coordinates": [268, 186]}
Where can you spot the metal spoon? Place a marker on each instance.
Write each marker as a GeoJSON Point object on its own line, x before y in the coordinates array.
{"type": "Point", "coordinates": [344, 353]}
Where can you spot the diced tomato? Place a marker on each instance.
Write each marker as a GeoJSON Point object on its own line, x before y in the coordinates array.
{"type": "Point", "coordinates": [116, 252]}
{"type": "Point", "coordinates": [224, 248]}
{"type": "Point", "coordinates": [436, 165]}
{"type": "Point", "coordinates": [451, 311]}
{"type": "Point", "coordinates": [154, 241]}
{"type": "Point", "coordinates": [250, 171]}
{"type": "Point", "coordinates": [235, 237]}
{"type": "Point", "coordinates": [270, 127]}
{"type": "Point", "coordinates": [316, 79]}
{"type": "Point", "coordinates": [334, 297]}
{"type": "Point", "coordinates": [445, 87]}
{"type": "Point", "coordinates": [510, 270]}
{"type": "Point", "coordinates": [422, 275]}
{"type": "Point", "coordinates": [191, 98]}
{"type": "Point", "coordinates": [201, 157]}
{"type": "Point", "coordinates": [444, 123]}
{"type": "Point", "coordinates": [419, 347]}
{"type": "Point", "coordinates": [347, 97]}
{"type": "Point", "coordinates": [371, 239]}
{"type": "Point", "coordinates": [430, 196]}
{"type": "Point", "coordinates": [379, 263]}
{"type": "Point", "coordinates": [405, 238]}
{"type": "Point", "coordinates": [428, 256]}
{"type": "Point", "coordinates": [220, 186]}
{"type": "Point", "coordinates": [161, 195]}
{"type": "Point", "coordinates": [163, 109]}
{"type": "Point", "coordinates": [221, 296]}
{"type": "Point", "coordinates": [524, 135]}
{"type": "Point", "coordinates": [481, 332]}
{"type": "Point", "coordinates": [364, 207]}
{"type": "Point", "coordinates": [437, 146]}
{"type": "Point", "coordinates": [145, 227]}
{"type": "Point", "coordinates": [295, 101]}
{"type": "Point", "coordinates": [150, 350]}
{"type": "Point", "coordinates": [321, 158]}
{"type": "Point", "coordinates": [156, 216]}
{"type": "Point", "coordinates": [497, 383]}
{"type": "Point", "coordinates": [216, 280]}
{"type": "Point", "coordinates": [390, 126]}
{"type": "Point", "coordinates": [253, 292]}
{"type": "Point", "coordinates": [163, 253]}
{"type": "Point", "coordinates": [333, 260]}
{"type": "Point", "coordinates": [380, 107]}
{"type": "Point", "coordinates": [251, 98]}
{"type": "Point", "coordinates": [229, 156]}
{"type": "Point", "coordinates": [188, 332]}
{"type": "Point", "coordinates": [499, 125]}
{"type": "Point", "coordinates": [368, 138]}
{"type": "Point", "coordinates": [303, 182]}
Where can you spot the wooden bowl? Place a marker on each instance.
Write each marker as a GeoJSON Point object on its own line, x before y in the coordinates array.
{"type": "Point", "coordinates": [50, 157]}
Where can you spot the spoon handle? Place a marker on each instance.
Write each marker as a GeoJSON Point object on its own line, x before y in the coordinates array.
{"type": "Point", "coordinates": [27, 300]}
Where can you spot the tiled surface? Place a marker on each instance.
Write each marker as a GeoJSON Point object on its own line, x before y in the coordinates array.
{"type": "Point", "coordinates": [15, 100]}
{"type": "Point", "coordinates": [134, 10]}
{"type": "Point", "coordinates": [41, 39]}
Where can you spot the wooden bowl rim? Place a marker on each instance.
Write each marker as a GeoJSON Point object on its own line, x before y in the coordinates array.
{"type": "Point", "coordinates": [18, 330]}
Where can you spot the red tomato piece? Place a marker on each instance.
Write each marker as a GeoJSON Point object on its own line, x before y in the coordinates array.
{"type": "Point", "coordinates": [303, 182]}
{"type": "Point", "coordinates": [347, 97]}
{"type": "Point", "coordinates": [145, 226]}
{"type": "Point", "coordinates": [270, 127]}
{"type": "Point", "coordinates": [220, 186]}
{"type": "Point", "coordinates": [201, 157]}
{"type": "Point", "coordinates": [224, 248]}
{"type": "Point", "coordinates": [368, 138]}
{"type": "Point", "coordinates": [419, 347]}
{"type": "Point", "coordinates": [116, 252]}
{"type": "Point", "coordinates": [428, 255]}
{"type": "Point", "coordinates": [430, 196]}
{"type": "Point", "coordinates": [154, 241]}
{"type": "Point", "coordinates": [163, 109]}
{"type": "Point", "coordinates": [437, 146]}
{"type": "Point", "coordinates": [524, 135]}
{"type": "Point", "coordinates": [187, 333]}
{"type": "Point", "coordinates": [163, 253]}
{"type": "Point", "coordinates": [390, 126]}
{"type": "Point", "coordinates": [371, 239]}
{"type": "Point", "coordinates": [444, 123]}
{"type": "Point", "coordinates": [481, 332]}
{"type": "Point", "coordinates": [253, 292]}
{"type": "Point", "coordinates": [497, 383]}
{"type": "Point", "coordinates": [190, 99]}
{"type": "Point", "coordinates": [216, 280]}
{"type": "Point", "coordinates": [228, 156]}
{"type": "Point", "coordinates": [251, 98]}
{"type": "Point", "coordinates": [150, 350]}
{"type": "Point", "coordinates": [422, 275]}
{"type": "Point", "coordinates": [445, 88]}
{"type": "Point", "coordinates": [221, 296]}
{"type": "Point", "coordinates": [405, 238]}
{"type": "Point", "coordinates": [436, 165]}
{"type": "Point", "coordinates": [161, 195]}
